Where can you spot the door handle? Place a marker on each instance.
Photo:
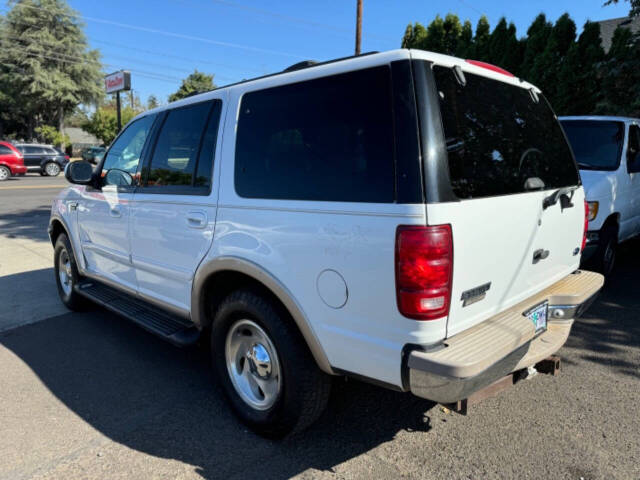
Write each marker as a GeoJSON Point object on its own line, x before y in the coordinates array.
{"type": "Point", "coordinates": [115, 211]}
{"type": "Point", "coordinates": [540, 254]}
{"type": "Point", "coordinates": [197, 219]}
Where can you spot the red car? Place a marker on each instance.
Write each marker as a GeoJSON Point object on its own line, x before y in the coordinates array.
{"type": "Point", "coordinates": [11, 161]}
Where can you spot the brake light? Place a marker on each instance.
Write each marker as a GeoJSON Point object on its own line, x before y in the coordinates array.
{"type": "Point", "coordinates": [586, 225]}
{"type": "Point", "coordinates": [424, 270]}
{"type": "Point", "coordinates": [491, 67]}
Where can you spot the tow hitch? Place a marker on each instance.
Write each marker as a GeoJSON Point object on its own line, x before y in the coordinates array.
{"type": "Point", "coordinates": [549, 366]}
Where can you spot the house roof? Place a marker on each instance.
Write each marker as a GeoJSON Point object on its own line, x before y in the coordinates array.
{"type": "Point", "coordinates": [607, 27]}
{"type": "Point", "coordinates": [79, 136]}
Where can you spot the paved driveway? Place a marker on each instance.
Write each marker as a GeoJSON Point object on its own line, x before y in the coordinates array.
{"type": "Point", "coordinates": [92, 396]}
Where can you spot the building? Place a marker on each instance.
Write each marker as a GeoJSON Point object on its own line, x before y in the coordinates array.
{"type": "Point", "coordinates": [607, 27]}
{"type": "Point", "coordinates": [80, 140]}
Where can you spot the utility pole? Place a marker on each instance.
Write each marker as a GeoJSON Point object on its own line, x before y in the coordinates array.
{"type": "Point", "coordinates": [131, 98]}
{"type": "Point", "coordinates": [358, 26]}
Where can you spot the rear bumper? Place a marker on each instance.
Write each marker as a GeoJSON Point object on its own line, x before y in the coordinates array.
{"type": "Point", "coordinates": [593, 241]}
{"type": "Point", "coordinates": [18, 169]}
{"type": "Point", "coordinates": [475, 358]}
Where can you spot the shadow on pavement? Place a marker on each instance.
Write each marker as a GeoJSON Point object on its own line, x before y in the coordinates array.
{"type": "Point", "coordinates": [154, 398]}
{"type": "Point", "coordinates": [29, 224]}
{"type": "Point", "coordinates": [611, 324]}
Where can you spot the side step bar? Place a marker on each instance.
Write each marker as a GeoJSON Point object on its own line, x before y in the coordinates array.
{"type": "Point", "coordinates": [175, 330]}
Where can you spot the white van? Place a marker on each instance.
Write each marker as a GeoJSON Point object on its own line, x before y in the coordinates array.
{"type": "Point", "coordinates": [407, 218]}
{"type": "Point", "coordinates": [607, 150]}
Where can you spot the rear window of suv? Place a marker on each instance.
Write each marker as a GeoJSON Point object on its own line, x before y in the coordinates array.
{"type": "Point", "coordinates": [497, 137]}
{"type": "Point", "coordinates": [327, 139]}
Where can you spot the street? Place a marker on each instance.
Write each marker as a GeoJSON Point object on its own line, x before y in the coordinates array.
{"type": "Point", "coordinates": [92, 396]}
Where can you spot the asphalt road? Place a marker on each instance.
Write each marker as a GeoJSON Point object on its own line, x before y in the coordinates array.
{"type": "Point", "coordinates": [92, 396]}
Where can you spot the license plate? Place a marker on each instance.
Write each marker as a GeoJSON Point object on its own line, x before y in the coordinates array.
{"type": "Point", "coordinates": [538, 316]}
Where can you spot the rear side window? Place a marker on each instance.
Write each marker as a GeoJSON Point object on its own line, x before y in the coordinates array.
{"type": "Point", "coordinates": [33, 150]}
{"type": "Point", "coordinates": [497, 137]}
{"type": "Point", "coordinates": [4, 150]}
{"type": "Point", "coordinates": [596, 144]}
{"type": "Point", "coordinates": [183, 155]}
{"type": "Point", "coordinates": [328, 139]}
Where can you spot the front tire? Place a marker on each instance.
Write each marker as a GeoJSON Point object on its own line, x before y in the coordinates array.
{"type": "Point", "coordinates": [605, 256]}
{"type": "Point", "coordinates": [264, 366]}
{"type": "Point", "coordinates": [67, 276]}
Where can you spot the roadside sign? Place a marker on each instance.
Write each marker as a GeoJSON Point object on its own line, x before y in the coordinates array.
{"type": "Point", "coordinates": [118, 81]}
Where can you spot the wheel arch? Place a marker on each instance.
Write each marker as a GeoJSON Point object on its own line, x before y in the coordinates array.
{"type": "Point", "coordinates": [56, 227]}
{"type": "Point", "coordinates": [613, 220]}
{"type": "Point", "coordinates": [219, 277]}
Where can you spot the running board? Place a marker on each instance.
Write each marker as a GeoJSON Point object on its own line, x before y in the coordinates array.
{"type": "Point", "coordinates": [174, 329]}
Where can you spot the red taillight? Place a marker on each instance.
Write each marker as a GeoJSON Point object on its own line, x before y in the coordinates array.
{"type": "Point", "coordinates": [491, 67]}
{"type": "Point", "coordinates": [66, 157]}
{"type": "Point", "coordinates": [586, 225]}
{"type": "Point", "coordinates": [424, 267]}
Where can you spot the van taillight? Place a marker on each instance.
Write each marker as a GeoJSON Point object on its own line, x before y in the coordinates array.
{"type": "Point", "coordinates": [424, 268]}
{"type": "Point", "coordinates": [586, 225]}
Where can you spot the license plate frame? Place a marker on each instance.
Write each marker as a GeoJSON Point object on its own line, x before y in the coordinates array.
{"type": "Point", "coordinates": [539, 316]}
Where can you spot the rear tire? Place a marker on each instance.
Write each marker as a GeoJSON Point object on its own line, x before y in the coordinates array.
{"type": "Point", "coordinates": [265, 367]}
{"type": "Point", "coordinates": [67, 276]}
{"type": "Point", "coordinates": [52, 169]}
{"type": "Point", "coordinates": [5, 173]}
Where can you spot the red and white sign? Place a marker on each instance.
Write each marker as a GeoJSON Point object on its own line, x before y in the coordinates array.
{"type": "Point", "coordinates": [117, 82]}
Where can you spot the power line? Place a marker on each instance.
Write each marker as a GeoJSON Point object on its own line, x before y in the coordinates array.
{"type": "Point", "coordinates": [167, 33]}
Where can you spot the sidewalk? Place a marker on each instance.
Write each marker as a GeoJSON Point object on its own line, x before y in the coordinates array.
{"type": "Point", "coordinates": [27, 286]}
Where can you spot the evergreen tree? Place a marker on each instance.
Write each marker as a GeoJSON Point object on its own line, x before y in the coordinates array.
{"type": "Point", "coordinates": [480, 45]}
{"type": "Point", "coordinates": [620, 74]}
{"type": "Point", "coordinates": [152, 102]}
{"type": "Point", "coordinates": [46, 68]}
{"type": "Point", "coordinates": [452, 32]}
{"type": "Point", "coordinates": [498, 42]}
{"type": "Point", "coordinates": [434, 40]}
{"type": "Point", "coordinates": [579, 88]}
{"type": "Point", "coordinates": [414, 36]}
{"type": "Point", "coordinates": [196, 82]}
{"type": "Point", "coordinates": [536, 42]}
{"type": "Point", "coordinates": [547, 66]}
{"type": "Point", "coordinates": [464, 42]}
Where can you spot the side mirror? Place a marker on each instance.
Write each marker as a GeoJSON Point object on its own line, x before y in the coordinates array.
{"type": "Point", "coordinates": [80, 173]}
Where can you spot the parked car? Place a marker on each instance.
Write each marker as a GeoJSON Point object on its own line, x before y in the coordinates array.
{"type": "Point", "coordinates": [11, 162]}
{"type": "Point", "coordinates": [93, 154]}
{"type": "Point", "coordinates": [42, 158]}
{"type": "Point", "coordinates": [406, 218]}
{"type": "Point", "coordinates": [608, 153]}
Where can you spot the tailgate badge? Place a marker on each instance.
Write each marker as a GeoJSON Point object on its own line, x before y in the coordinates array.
{"type": "Point", "coordinates": [474, 295]}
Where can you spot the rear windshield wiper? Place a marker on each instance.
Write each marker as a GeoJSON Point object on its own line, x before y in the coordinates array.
{"type": "Point", "coordinates": [564, 194]}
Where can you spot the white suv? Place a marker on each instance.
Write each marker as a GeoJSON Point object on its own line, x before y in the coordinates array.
{"type": "Point", "coordinates": [407, 218]}
{"type": "Point", "coordinates": [608, 153]}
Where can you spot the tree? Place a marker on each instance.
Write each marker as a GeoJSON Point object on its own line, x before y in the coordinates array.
{"type": "Point", "coordinates": [579, 88]}
{"type": "Point", "coordinates": [434, 40]}
{"type": "Point", "coordinates": [620, 76]}
{"type": "Point", "coordinates": [480, 45]}
{"type": "Point", "coordinates": [104, 121]}
{"type": "Point", "coordinates": [46, 68]}
{"type": "Point", "coordinates": [452, 32]}
{"type": "Point", "coordinates": [152, 102]}
{"type": "Point", "coordinates": [414, 35]}
{"type": "Point", "coordinates": [537, 37]}
{"type": "Point", "coordinates": [197, 82]}
{"type": "Point", "coordinates": [49, 134]}
{"type": "Point", "coordinates": [464, 42]}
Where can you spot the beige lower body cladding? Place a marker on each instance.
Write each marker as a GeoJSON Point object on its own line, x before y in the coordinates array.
{"type": "Point", "coordinates": [500, 345]}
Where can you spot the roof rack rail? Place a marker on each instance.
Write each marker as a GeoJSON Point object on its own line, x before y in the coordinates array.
{"type": "Point", "coordinates": [300, 65]}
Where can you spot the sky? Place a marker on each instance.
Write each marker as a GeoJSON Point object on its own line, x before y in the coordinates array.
{"type": "Point", "coordinates": [162, 41]}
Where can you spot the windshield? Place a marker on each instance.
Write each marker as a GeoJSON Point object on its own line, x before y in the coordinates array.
{"type": "Point", "coordinates": [596, 144]}
{"type": "Point", "coordinates": [498, 137]}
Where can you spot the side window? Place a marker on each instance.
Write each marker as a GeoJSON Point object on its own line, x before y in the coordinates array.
{"type": "Point", "coordinates": [328, 139]}
{"type": "Point", "coordinates": [4, 150]}
{"type": "Point", "coordinates": [121, 162]}
{"type": "Point", "coordinates": [633, 149]}
{"type": "Point", "coordinates": [33, 150]}
{"type": "Point", "coordinates": [182, 159]}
